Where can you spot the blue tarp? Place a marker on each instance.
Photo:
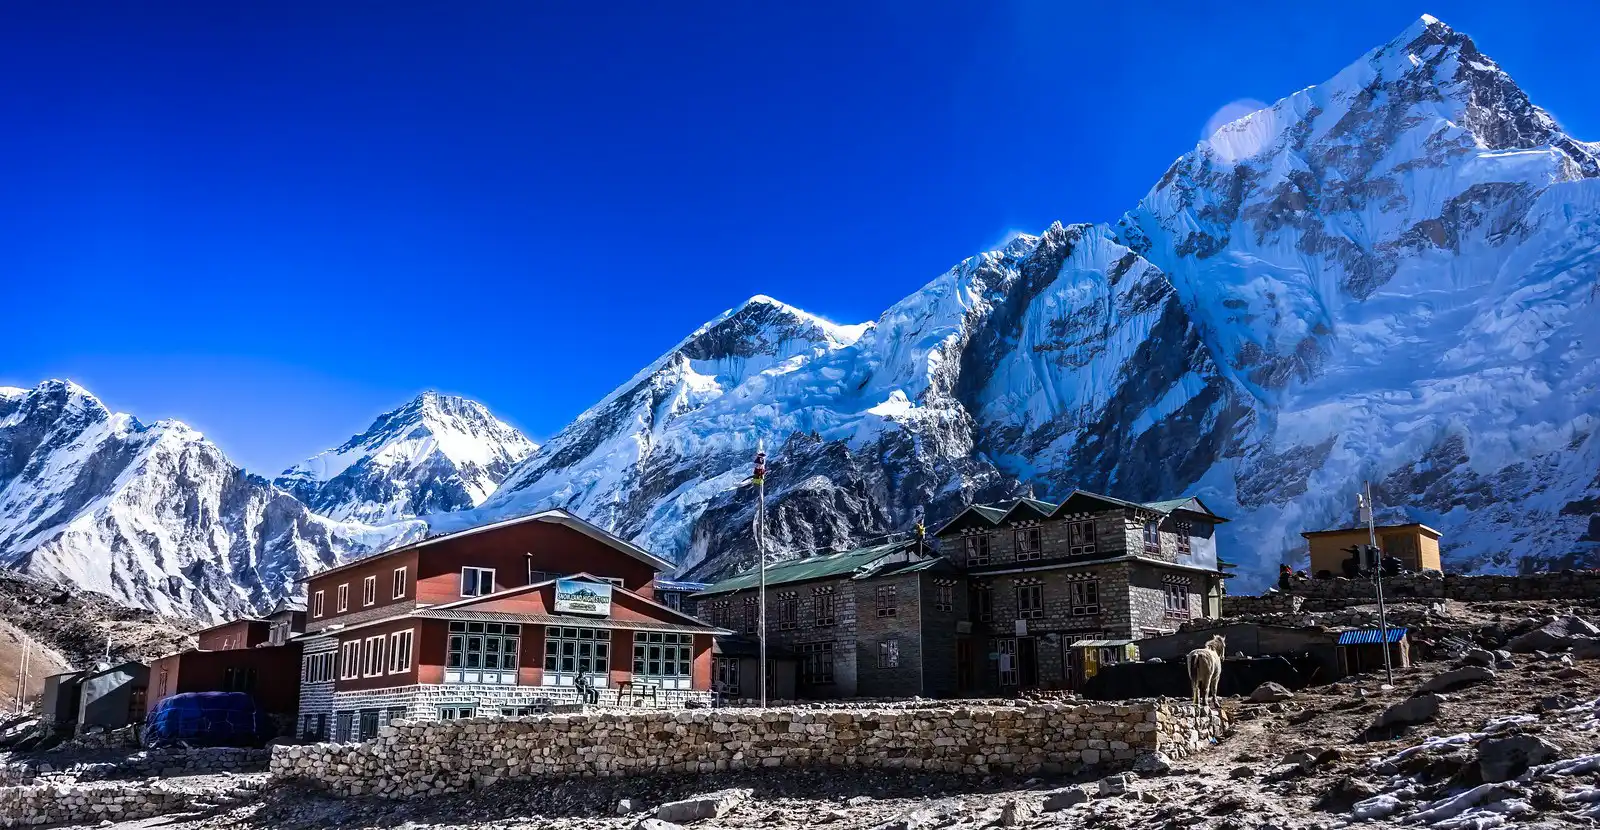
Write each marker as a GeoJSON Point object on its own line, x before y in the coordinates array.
{"type": "Point", "coordinates": [1363, 636]}
{"type": "Point", "coordinates": [205, 719]}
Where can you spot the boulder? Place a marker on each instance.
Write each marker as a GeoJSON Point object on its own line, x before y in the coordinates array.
{"type": "Point", "coordinates": [1457, 678]}
{"type": "Point", "coordinates": [1502, 759]}
{"type": "Point", "coordinates": [1062, 799]}
{"type": "Point", "coordinates": [1586, 648]}
{"type": "Point", "coordinates": [1117, 784]}
{"type": "Point", "coordinates": [1419, 709]}
{"type": "Point", "coordinates": [1152, 762]}
{"type": "Point", "coordinates": [1016, 813]}
{"type": "Point", "coordinates": [1270, 692]}
{"type": "Point", "coordinates": [1556, 635]}
{"type": "Point", "coordinates": [1479, 657]}
{"type": "Point", "coordinates": [711, 805]}
{"type": "Point", "coordinates": [1242, 772]}
{"type": "Point", "coordinates": [656, 824]}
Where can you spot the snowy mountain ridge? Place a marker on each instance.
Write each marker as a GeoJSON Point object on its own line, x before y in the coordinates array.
{"type": "Point", "coordinates": [436, 453]}
{"type": "Point", "coordinates": [1385, 276]}
{"type": "Point", "coordinates": [154, 515]}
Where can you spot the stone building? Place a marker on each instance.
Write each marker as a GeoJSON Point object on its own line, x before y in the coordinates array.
{"type": "Point", "coordinates": [880, 621]}
{"type": "Point", "coordinates": [1042, 576]}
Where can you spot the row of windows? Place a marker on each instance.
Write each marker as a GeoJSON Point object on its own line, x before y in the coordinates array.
{"type": "Point", "coordinates": [1027, 541]}
{"type": "Point", "coordinates": [365, 658]}
{"type": "Point", "coordinates": [318, 668]}
{"type": "Point", "coordinates": [744, 617]}
{"type": "Point", "coordinates": [1083, 600]}
{"type": "Point", "coordinates": [369, 593]}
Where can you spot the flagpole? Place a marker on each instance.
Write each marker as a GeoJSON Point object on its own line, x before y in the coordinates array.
{"type": "Point", "coordinates": [761, 566]}
{"type": "Point", "coordinates": [1377, 577]}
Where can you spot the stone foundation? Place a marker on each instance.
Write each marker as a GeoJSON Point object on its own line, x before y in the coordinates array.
{"type": "Point", "coordinates": [162, 763]}
{"type": "Point", "coordinates": [410, 759]}
{"type": "Point", "coordinates": [1272, 602]}
{"type": "Point", "coordinates": [1338, 593]}
{"type": "Point", "coordinates": [112, 800]}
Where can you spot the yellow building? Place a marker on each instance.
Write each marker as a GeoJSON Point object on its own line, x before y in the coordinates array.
{"type": "Point", "coordinates": [1415, 545]}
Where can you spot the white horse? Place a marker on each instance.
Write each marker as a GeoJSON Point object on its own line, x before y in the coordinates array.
{"type": "Point", "coordinates": [1205, 670]}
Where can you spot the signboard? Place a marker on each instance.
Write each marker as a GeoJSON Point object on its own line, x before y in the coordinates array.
{"type": "Point", "coordinates": [574, 596]}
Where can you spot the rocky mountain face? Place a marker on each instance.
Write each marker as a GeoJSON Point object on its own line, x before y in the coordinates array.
{"type": "Point", "coordinates": [436, 454]}
{"type": "Point", "coordinates": [1386, 277]}
{"type": "Point", "coordinates": [153, 515]}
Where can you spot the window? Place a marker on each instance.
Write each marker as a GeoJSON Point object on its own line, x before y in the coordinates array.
{"type": "Point", "coordinates": [279, 633]}
{"type": "Point", "coordinates": [393, 713]}
{"type": "Point", "coordinates": [344, 597]}
{"type": "Point", "coordinates": [614, 580]}
{"type": "Point", "coordinates": [1085, 598]}
{"type": "Point", "coordinates": [889, 654]}
{"type": "Point", "coordinates": [1152, 537]}
{"type": "Point", "coordinates": [316, 604]}
{"type": "Point", "coordinates": [1178, 600]}
{"type": "Point", "coordinates": [458, 711]}
{"type": "Point", "coordinates": [1030, 602]}
{"type": "Point", "coordinates": [569, 652]}
{"type": "Point", "coordinates": [482, 652]}
{"type": "Point", "coordinates": [663, 657]}
{"type": "Point", "coordinates": [788, 610]}
{"type": "Point", "coordinates": [350, 660]}
{"type": "Point", "coordinates": [824, 601]}
{"type": "Point", "coordinates": [977, 549]}
{"type": "Point", "coordinates": [239, 679]}
{"type": "Point", "coordinates": [944, 597]}
{"type": "Point", "coordinates": [316, 727]}
{"type": "Point", "coordinates": [397, 589]}
{"type": "Point", "coordinates": [887, 604]}
{"type": "Point", "coordinates": [1183, 531]}
{"type": "Point", "coordinates": [400, 651]}
{"type": "Point", "coordinates": [517, 711]}
{"type": "Point", "coordinates": [318, 667]}
{"type": "Point", "coordinates": [725, 676]}
{"type": "Point", "coordinates": [477, 582]}
{"type": "Point", "coordinates": [750, 615]}
{"type": "Point", "coordinates": [1080, 538]}
{"type": "Point", "coordinates": [672, 599]}
{"type": "Point", "coordinates": [816, 663]}
{"type": "Point", "coordinates": [982, 603]}
{"type": "Point", "coordinates": [1028, 542]}
{"type": "Point", "coordinates": [369, 591]}
{"type": "Point", "coordinates": [372, 657]}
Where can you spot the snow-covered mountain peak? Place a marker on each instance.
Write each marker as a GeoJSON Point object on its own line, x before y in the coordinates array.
{"type": "Point", "coordinates": [437, 452]}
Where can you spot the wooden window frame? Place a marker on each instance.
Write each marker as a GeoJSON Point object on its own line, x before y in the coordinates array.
{"type": "Point", "coordinates": [397, 585]}
{"type": "Point", "coordinates": [343, 595]}
{"type": "Point", "coordinates": [477, 581]}
{"type": "Point", "coordinates": [400, 644]}
{"type": "Point", "coordinates": [369, 591]}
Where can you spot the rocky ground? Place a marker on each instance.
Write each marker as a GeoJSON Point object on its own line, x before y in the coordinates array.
{"type": "Point", "coordinates": [75, 623]}
{"type": "Point", "coordinates": [1483, 740]}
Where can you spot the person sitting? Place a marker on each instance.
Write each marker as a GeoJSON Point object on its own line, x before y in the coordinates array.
{"type": "Point", "coordinates": [587, 693]}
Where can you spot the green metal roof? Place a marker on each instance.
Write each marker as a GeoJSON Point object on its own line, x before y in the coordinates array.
{"type": "Point", "coordinates": [811, 567]}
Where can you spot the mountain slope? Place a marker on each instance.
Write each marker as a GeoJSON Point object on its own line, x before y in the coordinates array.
{"type": "Point", "coordinates": [153, 515]}
{"type": "Point", "coordinates": [1387, 276]}
{"type": "Point", "coordinates": [435, 454]}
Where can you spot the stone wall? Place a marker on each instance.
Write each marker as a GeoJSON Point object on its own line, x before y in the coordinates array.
{"type": "Point", "coordinates": [1334, 594]}
{"type": "Point", "coordinates": [163, 763]}
{"type": "Point", "coordinates": [1272, 602]}
{"type": "Point", "coordinates": [113, 800]}
{"type": "Point", "coordinates": [410, 759]}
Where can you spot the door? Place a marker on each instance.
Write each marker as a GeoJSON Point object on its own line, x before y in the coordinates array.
{"type": "Point", "coordinates": [1006, 650]}
{"type": "Point", "coordinates": [963, 664]}
{"type": "Point", "coordinates": [369, 724]}
{"type": "Point", "coordinates": [1028, 663]}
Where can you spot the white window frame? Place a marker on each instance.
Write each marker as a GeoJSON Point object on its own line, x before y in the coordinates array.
{"type": "Point", "coordinates": [397, 588]}
{"type": "Point", "coordinates": [317, 604]}
{"type": "Point", "coordinates": [1035, 612]}
{"type": "Point", "coordinates": [344, 597]}
{"type": "Point", "coordinates": [614, 580]}
{"type": "Point", "coordinates": [372, 656]}
{"type": "Point", "coordinates": [478, 581]}
{"type": "Point", "coordinates": [400, 643]}
{"type": "Point", "coordinates": [369, 591]}
{"type": "Point", "coordinates": [349, 659]}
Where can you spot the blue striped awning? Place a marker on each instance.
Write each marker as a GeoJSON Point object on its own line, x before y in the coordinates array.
{"type": "Point", "coordinates": [1363, 636]}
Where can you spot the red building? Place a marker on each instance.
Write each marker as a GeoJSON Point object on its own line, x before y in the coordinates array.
{"type": "Point", "coordinates": [259, 657]}
{"type": "Point", "coordinates": [501, 619]}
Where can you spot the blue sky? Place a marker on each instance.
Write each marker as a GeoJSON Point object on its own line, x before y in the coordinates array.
{"type": "Point", "coordinates": [275, 220]}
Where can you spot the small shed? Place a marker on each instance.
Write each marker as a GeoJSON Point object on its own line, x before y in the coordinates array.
{"type": "Point", "coordinates": [1361, 650]}
{"type": "Point", "coordinates": [1085, 658]}
{"type": "Point", "coordinates": [59, 702]}
{"type": "Point", "coordinates": [114, 697]}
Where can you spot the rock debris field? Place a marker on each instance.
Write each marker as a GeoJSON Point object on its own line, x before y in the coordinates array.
{"type": "Point", "coordinates": [1504, 735]}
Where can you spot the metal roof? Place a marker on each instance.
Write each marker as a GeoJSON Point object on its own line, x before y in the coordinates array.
{"type": "Point", "coordinates": [811, 567]}
{"type": "Point", "coordinates": [1363, 636]}
{"type": "Point", "coordinates": [673, 585]}
{"type": "Point", "coordinates": [557, 620]}
{"type": "Point", "coordinates": [996, 514]}
{"type": "Point", "coordinates": [1099, 643]}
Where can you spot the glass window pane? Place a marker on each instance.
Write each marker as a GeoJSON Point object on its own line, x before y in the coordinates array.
{"type": "Point", "coordinates": [683, 669]}
{"type": "Point", "coordinates": [455, 660]}
{"type": "Point", "coordinates": [549, 662]}
{"type": "Point", "coordinates": [474, 660]}
{"type": "Point", "coordinates": [475, 628]}
{"type": "Point", "coordinates": [508, 661]}
{"type": "Point", "coordinates": [568, 648]}
{"type": "Point", "coordinates": [569, 632]}
{"type": "Point", "coordinates": [638, 637]}
{"type": "Point", "coordinates": [493, 628]}
{"type": "Point", "coordinates": [638, 667]}
{"type": "Point", "coordinates": [513, 628]}
{"type": "Point", "coordinates": [456, 643]}
{"type": "Point", "coordinates": [602, 650]}
{"type": "Point", "coordinates": [491, 644]}
{"type": "Point", "coordinates": [550, 646]}
{"type": "Point", "coordinates": [491, 661]}
{"type": "Point", "coordinates": [601, 665]}
{"type": "Point", "coordinates": [458, 626]}
{"type": "Point", "coordinates": [567, 664]}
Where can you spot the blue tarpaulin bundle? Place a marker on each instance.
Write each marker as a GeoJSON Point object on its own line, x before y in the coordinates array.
{"type": "Point", "coordinates": [205, 719]}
